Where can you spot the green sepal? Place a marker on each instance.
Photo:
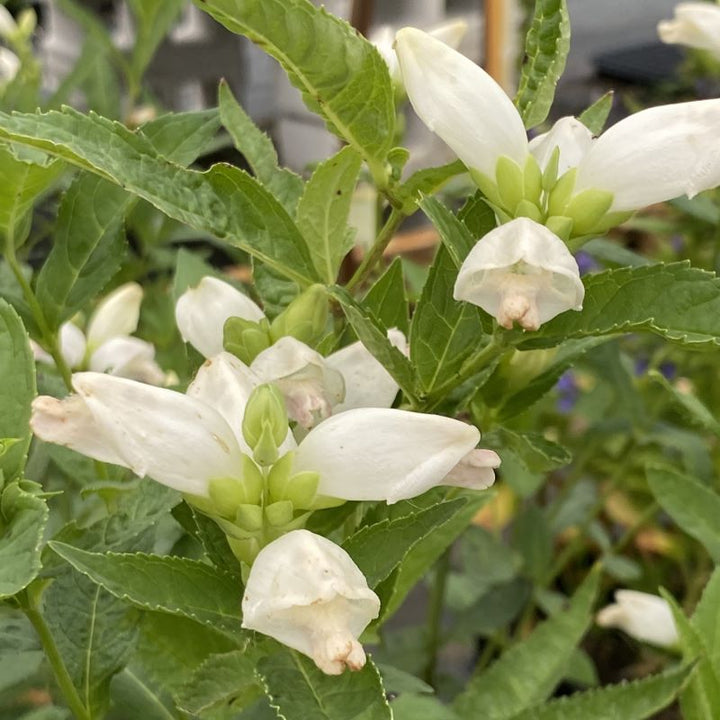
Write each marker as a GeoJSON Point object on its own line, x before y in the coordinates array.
{"type": "Point", "coordinates": [487, 186]}
{"type": "Point", "coordinates": [323, 502]}
{"type": "Point", "coordinates": [279, 476]}
{"type": "Point", "coordinates": [302, 489]}
{"type": "Point", "coordinates": [611, 220]}
{"type": "Point", "coordinates": [246, 339]}
{"type": "Point", "coordinates": [588, 208]}
{"type": "Point", "coordinates": [245, 550]}
{"type": "Point", "coordinates": [533, 184]}
{"type": "Point", "coordinates": [265, 452]}
{"type": "Point", "coordinates": [253, 480]}
{"type": "Point", "coordinates": [227, 493]}
{"type": "Point", "coordinates": [528, 209]}
{"type": "Point", "coordinates": [265, 423]}
{"type": "Point", "coordinates": [562, 226]}
{"type": "Point", "coordinates": [305, 318]}
{"type": "Point", "coordinates": [510, 183]}
{"type": "Point", "coordinates": [561, 193]}
{"type": "Point", "coordinates": [550, 174]}
{"type": "Point", "coordinates": [279, 514]}
{"type": "Point", "coordinates": [249, 518]}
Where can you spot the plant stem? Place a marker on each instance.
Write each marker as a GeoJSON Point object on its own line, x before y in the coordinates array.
{"type": "Point", "coordinates": [435, 611]}
{"type": "Point", "coordinates": [30, 608]}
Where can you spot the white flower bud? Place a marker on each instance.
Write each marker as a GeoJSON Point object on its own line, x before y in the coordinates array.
{"type": "Point", "coordinates": [116, 315]}
{"type": "Point", "coordinates": [521, 272]}
{"type": "Point", "coordinates": [307, 593]}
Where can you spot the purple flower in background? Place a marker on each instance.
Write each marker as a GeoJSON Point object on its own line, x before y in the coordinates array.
{"type": "Point", "coordinates": [586, 262]}
{"type": "Point", "coordinates": [568, 392]}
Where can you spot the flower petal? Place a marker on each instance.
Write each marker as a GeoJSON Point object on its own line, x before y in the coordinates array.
{"type": "Point", "coordinates": [460, 102]}
{"type": "Point", "coordinates": [655, 155]}
{"type": "Point", "coordinates": [307, 593]}
{"type": "Point", "coordinates": [9, 63]}
{"type": "Point", "coordinates": [128, 357]}
{"type": "Point", "coordinates": [696, 24]}
{"type": "Point", "coordinates": [116, 315]}
{"type": "Point", "coordinates": [201, 313]}
{"type": "Point", "coordinates": [573, 139]}
{"type": "Point", "coordinates": [474, 471]}
{"type": "Point", "coordinates": [383, 454]}
{"type": "Point", "coordinates": [72, 344]}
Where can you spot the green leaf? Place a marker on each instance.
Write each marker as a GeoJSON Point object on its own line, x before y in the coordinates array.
{"type": "Point", "coordinates": [182, 137]}
{"type": "Point", "coordinates": [23, 516]}
{"type": "Point", "coordinates": [259, 151]}
{"type": "Point", "coordinates": [532, 537]}
{"type": "Point", "coordinates": [693, 506]}
{"type": "Point", "coordinates": [527, 673]}
{"type": "Point", "coordinates": [20, 651]}
{"type": "Point", "coordinates": [455, 235]}
{"type": "Point", "coordinates": [546, 48]}
{"type": "Point", "coordinates": [614, 254]}
{"type": "Point", "coordinates": [595, 117]}
{"type": "Point", "coordinates": [693, 408]}
{"type": "Point", "coordinates": [322, 213]}
{"type": "Point", "coordinates": [23, 179]}
{"type": "Point", "coordinates": [387, 300]}
{"type": "Point", "coordinates": [631, 701]}
{"type": "Point", "coordinates": [298, 689]}
{"type": "Point", "coordinates": [674, 301]}
{"type": "Point", "coordinates": [427, 181]}
{"type": "Point", "coordinates": [340, 74]}
{"type": "Point", "coordinates": [379, 548]}
{"type": "Point", "coordinates": [224, 201]}
{"type": "Point", "coordinates": [17, 390]}
{"type": "Point", "coordinates": [706, 618]}
{"type": "Point", "coordinates": [153, 20]}
{"type": "Point", "coordinates": [219, 680]}
{"type": "Point", "coordinates": [375, 339]}
{"type": "Point", "coordinates": [420, 707]}
{"type": "Point", "coordinates": [138, 698]}
{"type": "Point", "coordinates": [170, 584]}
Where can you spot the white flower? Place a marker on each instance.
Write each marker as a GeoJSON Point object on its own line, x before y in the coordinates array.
{"type": "Point", "coordinates": [185, 441]}
{"type": "Point", "coordinates": [645, 617]}
{"type": "Point", "coordinates": [307, 593]}
{"type": "Point", "coordinates": [696, 24]}
{"type": "Point", "coordinates": [9, 64]}
{"type": "Point", "coordinates": [314, 387]}
{"type": "Point", "coordinates": [8, 26]}
{"type": "Point", "coordinates": [521, 272]}
{"type": "Point", "coordinates": [652, 156]}
{"type": "Point", "coordinates": [109, 347]}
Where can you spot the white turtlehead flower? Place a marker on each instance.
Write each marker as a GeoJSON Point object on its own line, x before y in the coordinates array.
{"type": "Point", "coordinates": [645, 617]}
{"type": "Point", "coordinates": [109, 346]}
{"type": "Point", "coordinates": [314, 387]}
{"type": "Point", "coordinates": [695, 24]}
{"type": "Point", "coordinates": [652, 156]}
{"type": "Point", "coordinates": [186, 440]}
{"type": "Point", "coordinates": [521, 272]}
{"type": "Point", "coordinates": [306, 592]}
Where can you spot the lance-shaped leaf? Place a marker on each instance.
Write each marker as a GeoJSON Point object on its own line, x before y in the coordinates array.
{"type": "Point", "coordinates": [595, 117]}
{"type": "Point", "coordinates": [387, 300]}
{"type": "Point", "coordinates": [224, 201]}
{"type": "Point", "coordinates": [340, 74]}
{"type": "Point", "coordinates": [182, 137]}
{"type": "Point", "coordinates": [546, 47]}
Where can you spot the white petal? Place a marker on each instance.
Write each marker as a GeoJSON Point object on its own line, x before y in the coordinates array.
{"type": "Point", "coordinates": [656, 155]}
{"type": "Point", "coordinates": [643, 616]}
{"type": "Point", "coordinates": [521, 271]}
{"type": "Point", "coordinates": [128, 357]}
{"type": "Point", "coordinates": [72, 344]}
{"type": "Point", "coordinates": [307, 593]}
{"type": "Point", "coordinates": [569, 135]}
{"type": "Point", "coordinates": [474, 471]}
{"type": "Point", "coordinates": [39, 354]}
{"type": "Point", "coordinates": [175, 439]}
{"type": "Point", "coordinates": [8, 26]}
{"type": "Point", "coordinates": [116, 315]}
{"type": "Point", "coordinates": [367, 382]}
{"type": "Point", "coordinates": [383, 454]}
{"type": "Point", "coordinates": [9, 64]}
{"type": "Point", "coordinates": [460, 102]}
{"type": "Point", "coordinates": [696, 24]}
{"type": "Point", "coordinates": [201, 313]}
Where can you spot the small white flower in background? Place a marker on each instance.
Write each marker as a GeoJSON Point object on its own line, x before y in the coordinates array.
{"type": "Point", "coordinates": [9, 65]}
{"type": "Point", "coordinates": [185, 441]}
{"type": "Point", "coordinates": [521, 272]}
{"type": "Point", "coordinates": [109, 346]}
{"type": "Point", "coordinates": [306, 592]}
{"type": "Point", "coordinates": [645, 617]}
{"type": "Point", "coordinates": [314, 387]}
{"type": "Point", "coordinates": [695, 24]}
{"type": "Point", "coordinates": [651, 156]}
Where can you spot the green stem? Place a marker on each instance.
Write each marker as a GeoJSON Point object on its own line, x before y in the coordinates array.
{"type": "Point", "coordinates": [435, 611]}
{"type": "Point", "coordinates": [376, 251]}
{"type": "Point", "coordinates": [30, 608]}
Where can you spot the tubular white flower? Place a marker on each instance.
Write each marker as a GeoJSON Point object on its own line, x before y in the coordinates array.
{"type": "Point", "coordinates": [9, 63]}
{"type": "Point", "coordinates": [696, 24]}
{"type": "Point", "coordinates": [460, 102]}
{"type": "Point", "coordinates": [645, 617]}
{"type": "Point", "coordinates": [521, 272]}
{"type": "Point", "coordinates": [128, 357]}
{"type": "Point", "coordinates": [175, 439]}
{"type": "Point", "coordinates": [570, 137]}
{"type": "Point", "coordinates": [307, 593]}
{"type": "Point", "coordinates": [72, 344]}
{"type": "Point", "coordinates": [116, 315]}
{"type": "Point", "coordinates": [386, 454]}
{"type": "Point", "coordinates": [201, 313]}
{"type": "Point", "coordinates": [656, 155]}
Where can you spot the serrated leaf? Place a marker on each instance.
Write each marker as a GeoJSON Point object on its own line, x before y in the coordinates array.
{"type": "Point", "coordinates": [17, 390]}
{"type": "Point", "coordinates": [138, 698]}
{"type": "Point", "coordinates": [23, 518]}
{"type": "Point", "coordinates": [527, 673]}
{"type": "Point", "coordinates": [223, 201]}
{"type": "Point", "coordinates": [379, 548]}
{"type": "Point", "coordinates": [631, 701]}
{"type": "Point", "coordinates": [595, 117]}
{"type": "Point", "coordinates": [170, 584]}
{"type": "Point", "coordinates": [421, 707]}
{"type": "Point", "coordinates": [693, 408]}
{"type": "Point", "coordinates": [546, 47]}
{"type": "Point", "coordinates": [257, 148]}
{"type": "Point", "coordinates": [455, 235]}
{"type": "Point", "coordinates": [375, 339]}
{"type": "Point", "coordinates": [323, 210]}
{"type": "Point", "coordinates": [706, 618]}
{"type": "Point", "coordinates": [340, 74]}
{"type": "Point", "coordinates": [183, 136]}
{"type": "Point", "coordinates": [693, 506]}
{"type": "Point", "coordinates": [674, 301]}
{"type": "Point", "coordinates": [387, 300]}
{"type": "Point", "coordinates": [298, 689]}
{"type": "Point", "coordinates": [428, 180]}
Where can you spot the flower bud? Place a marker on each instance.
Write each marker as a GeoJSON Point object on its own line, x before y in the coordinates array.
{"type": "Point", "coordinates": [305, 318]}
{"type": "Point", "coordinates": [299, 488]}
{"type": "Point", "coordinates": [265, 421]}
{"type": "Point", "coordinates": [246, 339]}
